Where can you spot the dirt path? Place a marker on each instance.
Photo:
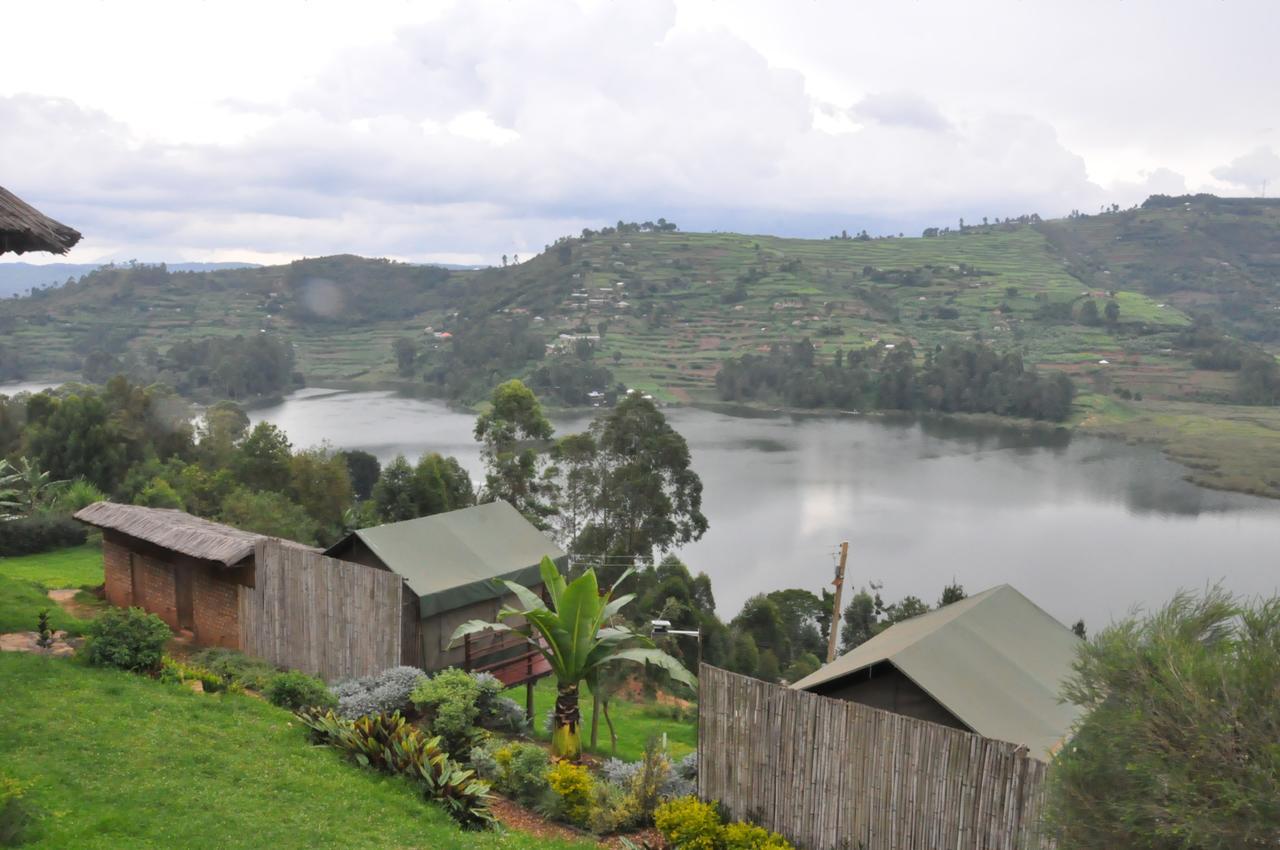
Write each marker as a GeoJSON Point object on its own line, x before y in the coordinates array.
{"type": "Point", "coordinates": [66, 599]}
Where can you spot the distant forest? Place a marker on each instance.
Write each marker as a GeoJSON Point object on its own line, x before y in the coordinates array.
{"type": "Point", "coordinates": [960, 377]}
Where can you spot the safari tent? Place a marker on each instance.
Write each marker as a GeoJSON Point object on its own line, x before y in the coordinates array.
{"type": "Point", "coordinates": [992, 664]}
{"type": "Point", "coordinates": [451, 564]}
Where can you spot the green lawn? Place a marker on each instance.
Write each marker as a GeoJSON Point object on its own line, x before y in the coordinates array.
{"type": "Point", "coordinates": [634, 722]}
{"type": "Point", "coordinates": [79, 566]}
{"type": "Point", "coordinates": [119, 760]}
{"type": "Point", "coordinates": [20, 604]}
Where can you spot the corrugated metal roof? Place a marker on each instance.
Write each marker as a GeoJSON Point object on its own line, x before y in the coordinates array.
{"type": "Point", "coordinates": [995, 660]}
{"type": "Point", "coordinates": [452, 559]}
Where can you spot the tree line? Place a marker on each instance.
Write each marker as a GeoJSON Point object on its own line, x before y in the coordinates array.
{"type": "Point", "coordinates": [959, 377]}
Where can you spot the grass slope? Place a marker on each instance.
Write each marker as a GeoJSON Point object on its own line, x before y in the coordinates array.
{"type": "Point", "coordinates": [78, 566]}
{"type": "Point", "coordinates": [118, 760]}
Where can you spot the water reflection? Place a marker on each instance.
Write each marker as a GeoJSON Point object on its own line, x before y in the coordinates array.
{"type": "Point", "coordinates": [1086, 527]}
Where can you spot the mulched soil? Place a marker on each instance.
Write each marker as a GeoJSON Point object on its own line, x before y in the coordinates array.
{"type": "Point", "coordinates": [512, 815]}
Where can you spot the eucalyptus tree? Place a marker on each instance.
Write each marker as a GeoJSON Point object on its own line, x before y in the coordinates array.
{"type": "Point", "coordinates": [576, 633]}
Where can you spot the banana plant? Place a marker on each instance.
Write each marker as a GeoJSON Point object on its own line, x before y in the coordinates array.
{"type": "Point", "coordinates": [576, 635]}
{"type": "Point", "coordinates": [9, 479]}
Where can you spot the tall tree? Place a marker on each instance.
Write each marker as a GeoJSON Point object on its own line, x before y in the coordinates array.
{"type": "Point", "coordinates": [649, 497]}
{"type": "Point", "coordinates": [513, 466]}
{"type": "Point", "coordinates": [265, 457]}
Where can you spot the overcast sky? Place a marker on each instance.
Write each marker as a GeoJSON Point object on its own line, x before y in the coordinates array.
{"type": "Point", "coordinates": [265, 131]}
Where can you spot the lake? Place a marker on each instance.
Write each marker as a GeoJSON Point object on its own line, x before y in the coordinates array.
{"type": "Point", "coordinates": [1084, 527]}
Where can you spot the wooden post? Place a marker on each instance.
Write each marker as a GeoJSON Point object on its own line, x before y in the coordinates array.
{"type": "Point", "coordinates": [835, 608]}
{"type": "Point", "coordinates": [528, 701]}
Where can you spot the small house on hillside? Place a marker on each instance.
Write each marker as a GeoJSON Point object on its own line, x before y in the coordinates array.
{"type": "Point", "coordinates": [24, 228]}
{"type": "Point", "coordinates": [451, 563]}
{"type": "Point", "coordinates": [992, 664]}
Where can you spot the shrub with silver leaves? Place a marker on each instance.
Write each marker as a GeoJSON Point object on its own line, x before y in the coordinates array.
{"type": "Point", "coordinates": [382, 694]}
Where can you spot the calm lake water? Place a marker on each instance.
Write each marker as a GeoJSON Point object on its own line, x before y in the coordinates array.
{"type": "Point", "coordinates": [1085, 527]}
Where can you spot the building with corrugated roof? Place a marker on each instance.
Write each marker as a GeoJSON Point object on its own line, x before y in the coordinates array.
{"type": "Point", "coordinates": [992, 664]}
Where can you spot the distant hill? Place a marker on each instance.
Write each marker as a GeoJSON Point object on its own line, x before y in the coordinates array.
{"type": "Point", "coordinates": [19, 278]}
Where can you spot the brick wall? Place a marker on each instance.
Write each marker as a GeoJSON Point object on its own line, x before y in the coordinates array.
{"type": "Point", "coordinates": [155, 589]}
{"type": "Point", "coordinates": [216, 609]}
{"type": "Point", "coordinates": [118, 579]}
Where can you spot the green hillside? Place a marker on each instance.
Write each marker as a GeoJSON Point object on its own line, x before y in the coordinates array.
{"type": "Point", "coordinates": [670, 307]}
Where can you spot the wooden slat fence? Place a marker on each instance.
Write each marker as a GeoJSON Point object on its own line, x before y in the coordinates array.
{"type": "Point", "coordinates": [333, 619]}
{"type": "Point", "coordinates": [835, 775]}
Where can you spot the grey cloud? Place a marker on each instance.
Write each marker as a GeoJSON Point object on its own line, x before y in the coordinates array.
{"type": "Point", "coordinates": [901, 109]}
{"type": "Point", "coordinates": [1251, 170]}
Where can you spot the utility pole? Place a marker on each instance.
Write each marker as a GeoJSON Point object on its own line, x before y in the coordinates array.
{"type": "Point", "coordinates": [835, 612]}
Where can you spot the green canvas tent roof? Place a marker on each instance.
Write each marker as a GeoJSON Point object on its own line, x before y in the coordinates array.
{"type": "Point", "coordinates": [995, 660]}
{"type": "Point", "coordinates": [452, 559]}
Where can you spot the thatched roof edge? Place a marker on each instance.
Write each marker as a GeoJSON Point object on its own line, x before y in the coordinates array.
{"type": "Point", "coordinates": [178, 531]}
{"type": "Point", "coordinates": [24, 228]}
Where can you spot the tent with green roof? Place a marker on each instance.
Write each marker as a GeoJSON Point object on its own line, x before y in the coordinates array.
{"type": "Point", "coordinates": [451, 564]}
{"type": "Point", "coordinates": [992, 664]}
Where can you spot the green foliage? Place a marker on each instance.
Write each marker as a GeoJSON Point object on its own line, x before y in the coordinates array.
{"type": "Point", "coordinates": [435, 485]}
{"type": "Point", "coordinates": [178, 672]}
{"type": "Point", "coordinates": [236, 368]}
{"type": "Point", "coordinates": [575, 636]}
{"type": "Point", "coordinates": [272, 514]}
{"type": "Point", "coordinates": [128, 638]}
{"type": "Point", "coordinates": [575, 791]}
{"type": "Point", "coordinates": [513, 469]}
{"type": "Point", "coordinates": [295, 691]}
{"type": "Point", "coordinates": [748, 836]}
{"type": "Point", "coordinates": [77, 494]}
{"type": "Point", "coordinates": [389, 743]}
{"type": "Point", "coordinates": [264, 459]}
{"type": "Point", "coordinates": [689, 824]}
{"type": "Point", "coordinates": [77, 437]}
{"type": "Point", "coordinates": [450, 702]}
{"type": "Point", "coordinates": [801, 667]}
{"type": "Point", "coordinates": [15, 812]}
{"type": "Point", "coordinates": [41, 533]}
{"type": "Point", "coordinates": [363, 469]}
{"type": "Point", "coordinates": [1177, 748]}
{"type": "Point", "coordinates": [192, 771]}
{"type": "Point", "coordinates": [320, 484]}
{"type": "Point", "coordinates": [521, 772]}
{"type": "Point", "coordinates": [158, 494]}
{"type": "Point", "coordinates": [236, 667]}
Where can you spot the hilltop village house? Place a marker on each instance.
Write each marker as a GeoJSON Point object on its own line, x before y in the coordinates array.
{"type": "Point", "coordinates": [992, 664]}
{"type": "Point", "coordinates": [391, 596]}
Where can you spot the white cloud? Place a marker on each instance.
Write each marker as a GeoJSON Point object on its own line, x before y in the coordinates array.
{"type": "Point", "coordinates": [1252, 171]}
{"type": "Point", "coordinates": [479, 129]}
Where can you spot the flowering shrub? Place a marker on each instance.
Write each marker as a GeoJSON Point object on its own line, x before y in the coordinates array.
{"type": "Point", "coordinates": [687, 823]}
{"type": "Point", "coordinates": [384, 693]}
{"type": "Point", "coordinates": [575, 790]}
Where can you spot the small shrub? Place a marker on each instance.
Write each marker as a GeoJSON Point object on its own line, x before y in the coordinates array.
{"type": "Point", "coordinates": [689, 824]}
{"type": "Point", "coordinates": [450, 703]}
{"type": "Point", "coordinates": [236, 668]}
{"type": "Point", "coordinates": [77, 494]}
{"type": "Point", "coordinates": [295, 690]}
{"type": "Point", "coordinates": [130, 639]}
{"type": "Point", "coordinates": [385, 693]}
{"type": "Point", "coordinates": [15, 814]}
{"type": "Point", "coordinates": [748, 836]}
{"type": "Point", "coordinates": [522, 772]}
{"type": "Point", "coordinates": [35, 534]}
{"type": "Point", "coordinates": [574, 790]}
{"type": "Point", "coordinates": [177, 672]}
{"type": "Point", "coordinates": [389, 743]}
{"type": "Point", "coordinates": [687, 767]}
{"type": "Point", "coordinates": [484, 763]}
{"type": "Point", "coordinates": [44, 630]}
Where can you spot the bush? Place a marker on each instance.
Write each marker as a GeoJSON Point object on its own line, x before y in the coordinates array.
{"type": "Point", "coordinates": [35, 534]}
{"type": "Point", "coordinates": [295, 690]}
{"type": "Point", "coordinates": [389, 743]}
{"type": "Point", "coordinates": [236, 667]}
{"type": "Point", "coordinates": [748, 836]}
{"type": "Point", "coordinates": [1177, 748]}
{"type": "Point", "coordinates": [522, 772]}
{"type": "Point", "coordinates": [450, 703]}
{"type": "Point", "coordinates": [15, 815]}
{"type": "Point", "coordinates": [574, 790]}
{"type": "Point", "coordinates": [176, 672]}
{"type": "Point", "coordinates": [687, 823]}
{"type": "Point", "coordinates": [388, 692]}
{"type": "Point", "coordinates": [130, 639]}
{"type": "Point", "coordinates": [77, 494]}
